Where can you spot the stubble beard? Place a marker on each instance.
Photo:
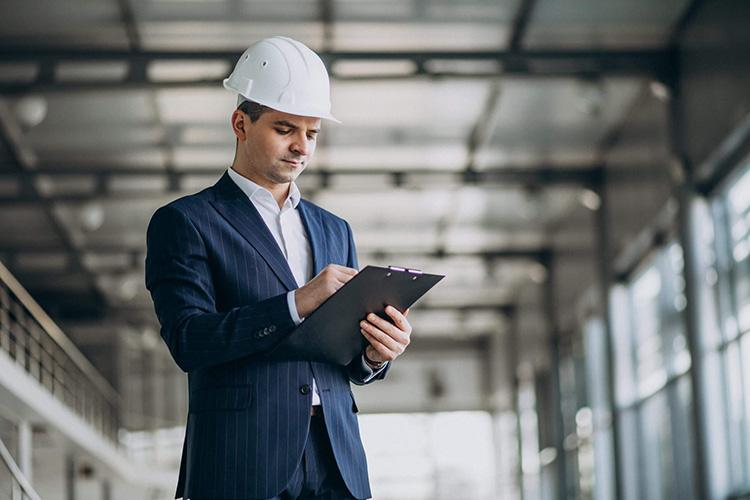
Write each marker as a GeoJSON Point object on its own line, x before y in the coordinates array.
{"type": "Point", "coordinates": [280, 177]}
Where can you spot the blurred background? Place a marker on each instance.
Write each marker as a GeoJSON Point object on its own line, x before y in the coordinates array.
{"type": "Point", "coordinates": [580, 170]}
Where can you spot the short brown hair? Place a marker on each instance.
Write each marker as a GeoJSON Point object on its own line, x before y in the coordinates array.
{"type": "Point", "coordinates": [253, 109]}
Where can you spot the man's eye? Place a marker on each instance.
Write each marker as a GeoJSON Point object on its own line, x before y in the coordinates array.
{"type": "Point", "coordinates": [312, 137]}
{"type": "Point", "coordinates": [283, 131]}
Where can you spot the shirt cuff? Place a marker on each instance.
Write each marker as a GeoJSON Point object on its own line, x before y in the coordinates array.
{"type": "Point", "coordinates": [368, 369]}
{"type": "Point", "coordinates": [293, 308]}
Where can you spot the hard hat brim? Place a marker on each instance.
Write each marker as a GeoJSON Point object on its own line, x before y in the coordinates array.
{"type": "Point", "coordinates": [312, 113]}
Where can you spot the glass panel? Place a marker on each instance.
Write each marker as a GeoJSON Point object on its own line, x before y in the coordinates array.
{"type": "Point", "coordinates": [629, 462]}
{"type": "Point", "coordinates": [657, 300]}
{"type": "Point", "coordinates": [656, 448]}
{"type": "Point", "coordinates": [645, 293]}
{"type": "Point", "coordinates": [733, 375]}
{"type": "Point", "coordinates": [708, 279]}
{"type": "Point", "coordinates": [745, 347]}
{"type": "Point", "coordinates": [597, 376]}
{"type": "Point", "coordinates": [625, 387]}
{"type": "Point", "coordinates": [680, 402]}
{"type": "Point", "coordinates": [738, 206]}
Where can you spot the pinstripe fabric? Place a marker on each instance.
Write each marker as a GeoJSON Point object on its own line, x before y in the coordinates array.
{"type": "Point", "coordinates": [219, 282]}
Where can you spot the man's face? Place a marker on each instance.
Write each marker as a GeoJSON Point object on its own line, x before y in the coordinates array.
{"type": "Point", "coordinates": [279, 145]}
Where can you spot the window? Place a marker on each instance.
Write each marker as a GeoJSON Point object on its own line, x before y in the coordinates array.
{"type": "Point", "coordinates": [653, 391]}
{"type": "Point", "coordinates": [730, 345]}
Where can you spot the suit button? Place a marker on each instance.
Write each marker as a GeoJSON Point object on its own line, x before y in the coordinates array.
{"type": "Point", "coordinates": [304, 389]}
{"type": "Point", "coordinates": [272, 328]}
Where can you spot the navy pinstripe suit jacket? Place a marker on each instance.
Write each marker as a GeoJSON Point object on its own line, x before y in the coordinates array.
{"type": "Point", "coordinates": [219, 282]}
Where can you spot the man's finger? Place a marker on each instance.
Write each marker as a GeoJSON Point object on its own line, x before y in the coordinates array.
{"type": "Point", "coordinates": [378, 346]}
{"type": "Point", "coordinates": [381, 336]}
{"type": "Point", "coordinates": [348, 270]}
{"type": "Point", "coordinates": [399, 318]}
{"type": "Point", "coordinates": [384, 338]}
{"type": "Point", "coordinates": [389, 328]}
{"type": "Point", "coordinates": [385, 326]}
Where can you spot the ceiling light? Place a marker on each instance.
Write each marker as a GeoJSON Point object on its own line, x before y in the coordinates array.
{"type": "Point", "coordinates": [363, 69]}
{"type": "Point", "coordinates": [128, 287]}
{"type": "Point", "coordinates": [31, 111]}
{"type": "Point", "coordinates": [538, 273]}
{"type": "Point", "coordinates": [175, 71]}
{"type": "Point", "coordinates": [591, 98]}
{"type": "Point", "coordinates": [589, 199]}
{"type": "Point", "coordinates": [149, 338]}
{"type": "Point", "coordinates": [91, 216]}
{"type": "Point", "coordinates": [659, 90]}
{"type": "Point", "coordinates": [463, 66]}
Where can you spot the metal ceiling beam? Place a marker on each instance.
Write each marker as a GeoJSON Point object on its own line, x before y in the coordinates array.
{"type": "Point", "coordinates": [129, 23]}
{"type": "Point", "coordinates": [327, 19]}
{"type": "Point", "coordinates": [102, 190]}
{"type": "Point", "coordinates": [540, 254]}
{"type": "Point", "coordinates": [529, 63]}
{"type": "Point", "coordinates": [505, 309]}
{"type": "Point", "coordinates": [514, 174]}
{"type": "Point", "coordinates": [687, 16]}
{"type": "Point", "coordinates": [529, 177]}
{"type": "Point", "coordinates": [520, 24]}
{"type": "Point", "coordinates": [482, 131]}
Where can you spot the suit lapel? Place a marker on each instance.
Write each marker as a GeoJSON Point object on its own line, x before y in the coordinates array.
{"type": "Point", "coordinates": [239, 211]}
{"type": "Point", "coordinates": [314, 228]}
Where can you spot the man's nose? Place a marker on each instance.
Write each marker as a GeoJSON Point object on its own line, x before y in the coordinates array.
{"type": "Point", "coordinates": [300, 146]}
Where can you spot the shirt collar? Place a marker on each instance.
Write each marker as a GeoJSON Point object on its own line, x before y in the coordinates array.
{"type": "Point", "coordinates": [252, 189]}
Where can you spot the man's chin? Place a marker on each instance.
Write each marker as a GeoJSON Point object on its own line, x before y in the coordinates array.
{"type": "Point", "coordinates": [292, 173]}
{"type": "Point", "coordinates": [286, 177]}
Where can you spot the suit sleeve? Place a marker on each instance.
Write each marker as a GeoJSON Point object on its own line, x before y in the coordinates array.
{"type": "Point", "coordinates": [358, 371]}
{"type": "Point", "coordinates": [179, 278]}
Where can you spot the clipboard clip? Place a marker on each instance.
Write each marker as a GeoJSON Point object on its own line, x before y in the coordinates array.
{"type": "Point", "coordinates": [404, 270]}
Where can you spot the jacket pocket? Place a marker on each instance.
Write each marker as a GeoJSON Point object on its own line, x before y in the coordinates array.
{"type": "Point", "coordinates": [221, 398]}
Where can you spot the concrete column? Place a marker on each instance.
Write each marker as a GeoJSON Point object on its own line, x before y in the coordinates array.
{"type": "Point", "coordinates": [605, 280]}
{"type": "Point", "coordinates": [25, 450]}
{"type": "Point", "coordinates": [513, 356]}
{"type": "Point", "coordinates": [106, 489]}
{"type": "Point", "coordinates": [558, 428]}
{"type": "Point", "coordinates": [693, 313]}
{"type": "Point", "coordinates": [501, 403]}
{"type": "Point", "coordinates": [70, 477]}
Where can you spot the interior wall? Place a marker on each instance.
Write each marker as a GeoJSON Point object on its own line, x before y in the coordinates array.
{"type": "Point", "coordinates": [638, 179]}
{"type": "Point", "coordinates": [715, 82]}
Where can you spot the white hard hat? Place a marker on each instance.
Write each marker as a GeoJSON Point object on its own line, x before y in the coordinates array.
{"type": "Point", "coordinates": [285, 75]}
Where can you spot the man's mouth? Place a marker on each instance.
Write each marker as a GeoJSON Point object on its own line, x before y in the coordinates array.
{"type": "Point", "coordinates": [296, 163]}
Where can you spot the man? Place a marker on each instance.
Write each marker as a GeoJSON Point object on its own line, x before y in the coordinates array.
{"type": "Point", "coordinates": [230, 270]}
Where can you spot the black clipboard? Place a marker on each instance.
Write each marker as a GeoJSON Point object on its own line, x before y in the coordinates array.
{"type": "Point", "coordinates": [331, 333]}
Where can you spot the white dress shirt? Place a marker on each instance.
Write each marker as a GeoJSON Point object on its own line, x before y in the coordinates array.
{"type": "Point", "coordinates": [287, 229]}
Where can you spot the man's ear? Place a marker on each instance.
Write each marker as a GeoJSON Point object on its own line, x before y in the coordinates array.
{"type": "Point", "coordinates": [239, 124]}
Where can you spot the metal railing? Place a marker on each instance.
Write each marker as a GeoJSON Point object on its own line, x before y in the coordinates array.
{"type": "Point", "coordinates": [13, 484]}
{"type": "Point", "coordinates": [30, 337]}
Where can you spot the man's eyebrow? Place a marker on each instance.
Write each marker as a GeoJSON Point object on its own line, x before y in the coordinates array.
{"type": "Point", "coordinates": [285, 123]}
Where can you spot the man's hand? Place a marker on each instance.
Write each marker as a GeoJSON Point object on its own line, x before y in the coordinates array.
{"type": "Point", "coordinates": [317, 290]}
{"type": "Point", "coordinates": [387, 340]}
